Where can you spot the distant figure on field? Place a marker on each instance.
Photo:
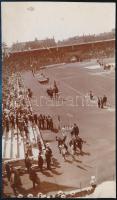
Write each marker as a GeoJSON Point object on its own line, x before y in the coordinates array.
{"type": "Point", "coordinates": [91, 95]}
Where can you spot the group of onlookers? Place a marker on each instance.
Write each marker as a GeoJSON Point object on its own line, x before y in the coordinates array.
{"type": "Point", "coordinates": [13, 175]}
{"type": "Point", "coordinates": [101, 101]}
{"type": "Point", "coordinates": [16, 183]}
{"type": "Point", "coordinates": [19, 117]}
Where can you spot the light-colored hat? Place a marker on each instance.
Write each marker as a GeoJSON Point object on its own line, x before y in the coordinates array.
{"type": "Point", "coordinates": [44, 196]}
{"type": "Point", "coordinates": [20, 196]}
{"type": "Point", "coordinates": [63, 196]}
{"type": "Point", "coordinates": [72, 193]}
{"type": "Point", "coordinates": [47, 144]}
{"type": "Point", "coordinates": [39, 194]}
{"type": "Point", "coordinates": [30, 195]}
{"type": "Point", "coordinates": [93, 177]}
{"type": "Point", "coordinates": [60, 192]}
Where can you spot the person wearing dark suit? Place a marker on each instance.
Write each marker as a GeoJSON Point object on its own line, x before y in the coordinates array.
{"type": "Point", "coordinates": [34, 177]}
{"type": "Point", "coordinates": [40, 162]}
{"type": "Point", "coordinates": [76, 130]}
{"type": "Point", "coordinates": [48, 156]}
{"type": "Point", "coordinates": [8, 171]}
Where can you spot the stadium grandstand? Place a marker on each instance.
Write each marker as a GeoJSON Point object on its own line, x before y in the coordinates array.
{"type": "Point", "coordinates": [41, 147]}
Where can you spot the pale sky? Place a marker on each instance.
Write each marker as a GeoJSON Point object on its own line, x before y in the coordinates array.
{"type": "Point", "coordinates": [25, 21]}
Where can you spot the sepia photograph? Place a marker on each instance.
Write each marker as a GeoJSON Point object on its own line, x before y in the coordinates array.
{"type": "Point", "coordinates": [58, 99]}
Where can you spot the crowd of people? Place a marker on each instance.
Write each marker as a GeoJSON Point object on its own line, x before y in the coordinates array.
{"type": "Point", "coordinates": [60, 194]}
{"type": "Point", "coordinates": [87, 38]}
{"type": "Point", "coordinates": [18, 115]}
{"type": "Point", "coordinates": [14, 177]}
{"type": "Point", "coordinates": [102, 102]}
{"type": "Point", "coordinates": [36, 44]}
{"type": "Point", "coordinates": [21, 116]}
{"type": "Point", "coordinates": [49, 56]}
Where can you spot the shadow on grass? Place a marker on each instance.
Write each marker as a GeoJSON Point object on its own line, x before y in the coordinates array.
{"type": "Point", "coordinates": [47, 173]}
{"type": "Point", "coordinates": [85, 153]}
{"type": "Point", "coordinates": [55, 163]}
{"type": "Point", "coordinates": [82, 168]}
{"type": "Point", "coordinates": [55, 172]}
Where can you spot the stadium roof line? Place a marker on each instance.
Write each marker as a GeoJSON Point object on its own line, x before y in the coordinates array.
{"type": "Point", "coordinates": [56, 47]}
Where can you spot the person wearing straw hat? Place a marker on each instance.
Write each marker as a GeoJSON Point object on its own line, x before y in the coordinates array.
{"type": "Point", "coordinates": [20, 196]}
{"type": "Point", "coordinates": [30, 195]}
{"type": "Point", "coordinates": [93, 182]}
{"type": "Point", "coordinates": [59, 194]}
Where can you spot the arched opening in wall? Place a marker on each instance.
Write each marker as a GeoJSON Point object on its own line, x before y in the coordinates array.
{"type": "Point", "coordinates": [74, 58]}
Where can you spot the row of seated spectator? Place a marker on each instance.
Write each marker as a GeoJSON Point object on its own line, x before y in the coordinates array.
{"type": "Point", "coordinates": [23, 62]}
{"type": "Point", "coordinates": [87, 38]}
{"type": "Point", "coordinates": [60, 194]}
{"type": "Point", "coordinates": [36, 44]}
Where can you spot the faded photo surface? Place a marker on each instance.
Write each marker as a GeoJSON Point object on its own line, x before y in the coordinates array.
{"type": "Point", "coordinates": [58, 100]}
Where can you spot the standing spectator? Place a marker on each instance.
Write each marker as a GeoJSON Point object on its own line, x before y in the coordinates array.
{"type": "Point", "coordinates": [60, 142]}
{"type": "Point", "coordinates": [99, 102]}
{"type": "Point", "coordinates": [47, 122]}
{"type": "Point", "coordinates": [15, 180]}
{"type": "Point", "coordinates": [63, 151]}
{"type": "Point", "coordinates": [39, 145]}
{"type": "Point", "coordinates": [91, 95]}
{"type": "Point", "coordinates": [51, 124]}
{"type": "Point", "coordinates": [27, 162]}
{"type": "Point", "coordinates": [104, 100]}
{"type": "Point", "coordinates": [63, 130]}
{"type": "Point", "coordinates": [34, 178]}
{"type": "Point", "coordinates": [12, 181]}
{"type": "Point", "coordinates": [35, 118]}
{"type": "Point", "coordinates": [7, 124]}
{"type": "Point", "coordinates": [93, 182]}
{"type": "Point", "coordinates": [72, 151]}
{"type": "Point", "coordinates": [12, 120]}
{"type": "Point", "coordinates": [76, 130]}
{"type": "Point", "coordinates": [29, 150]}
{"type": "Point", "coordinates": [8, 170]}
{"type": "Point", "coordinates": [42, 120]}
{"type": "Point", "coordinates": [48, 156]}
{"type": "Point", "coordinates": [26, 119]}
{"type": "Point", "coordinates": [40, 162]}
{"type": "Point", "coordinates": [26, 130]}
